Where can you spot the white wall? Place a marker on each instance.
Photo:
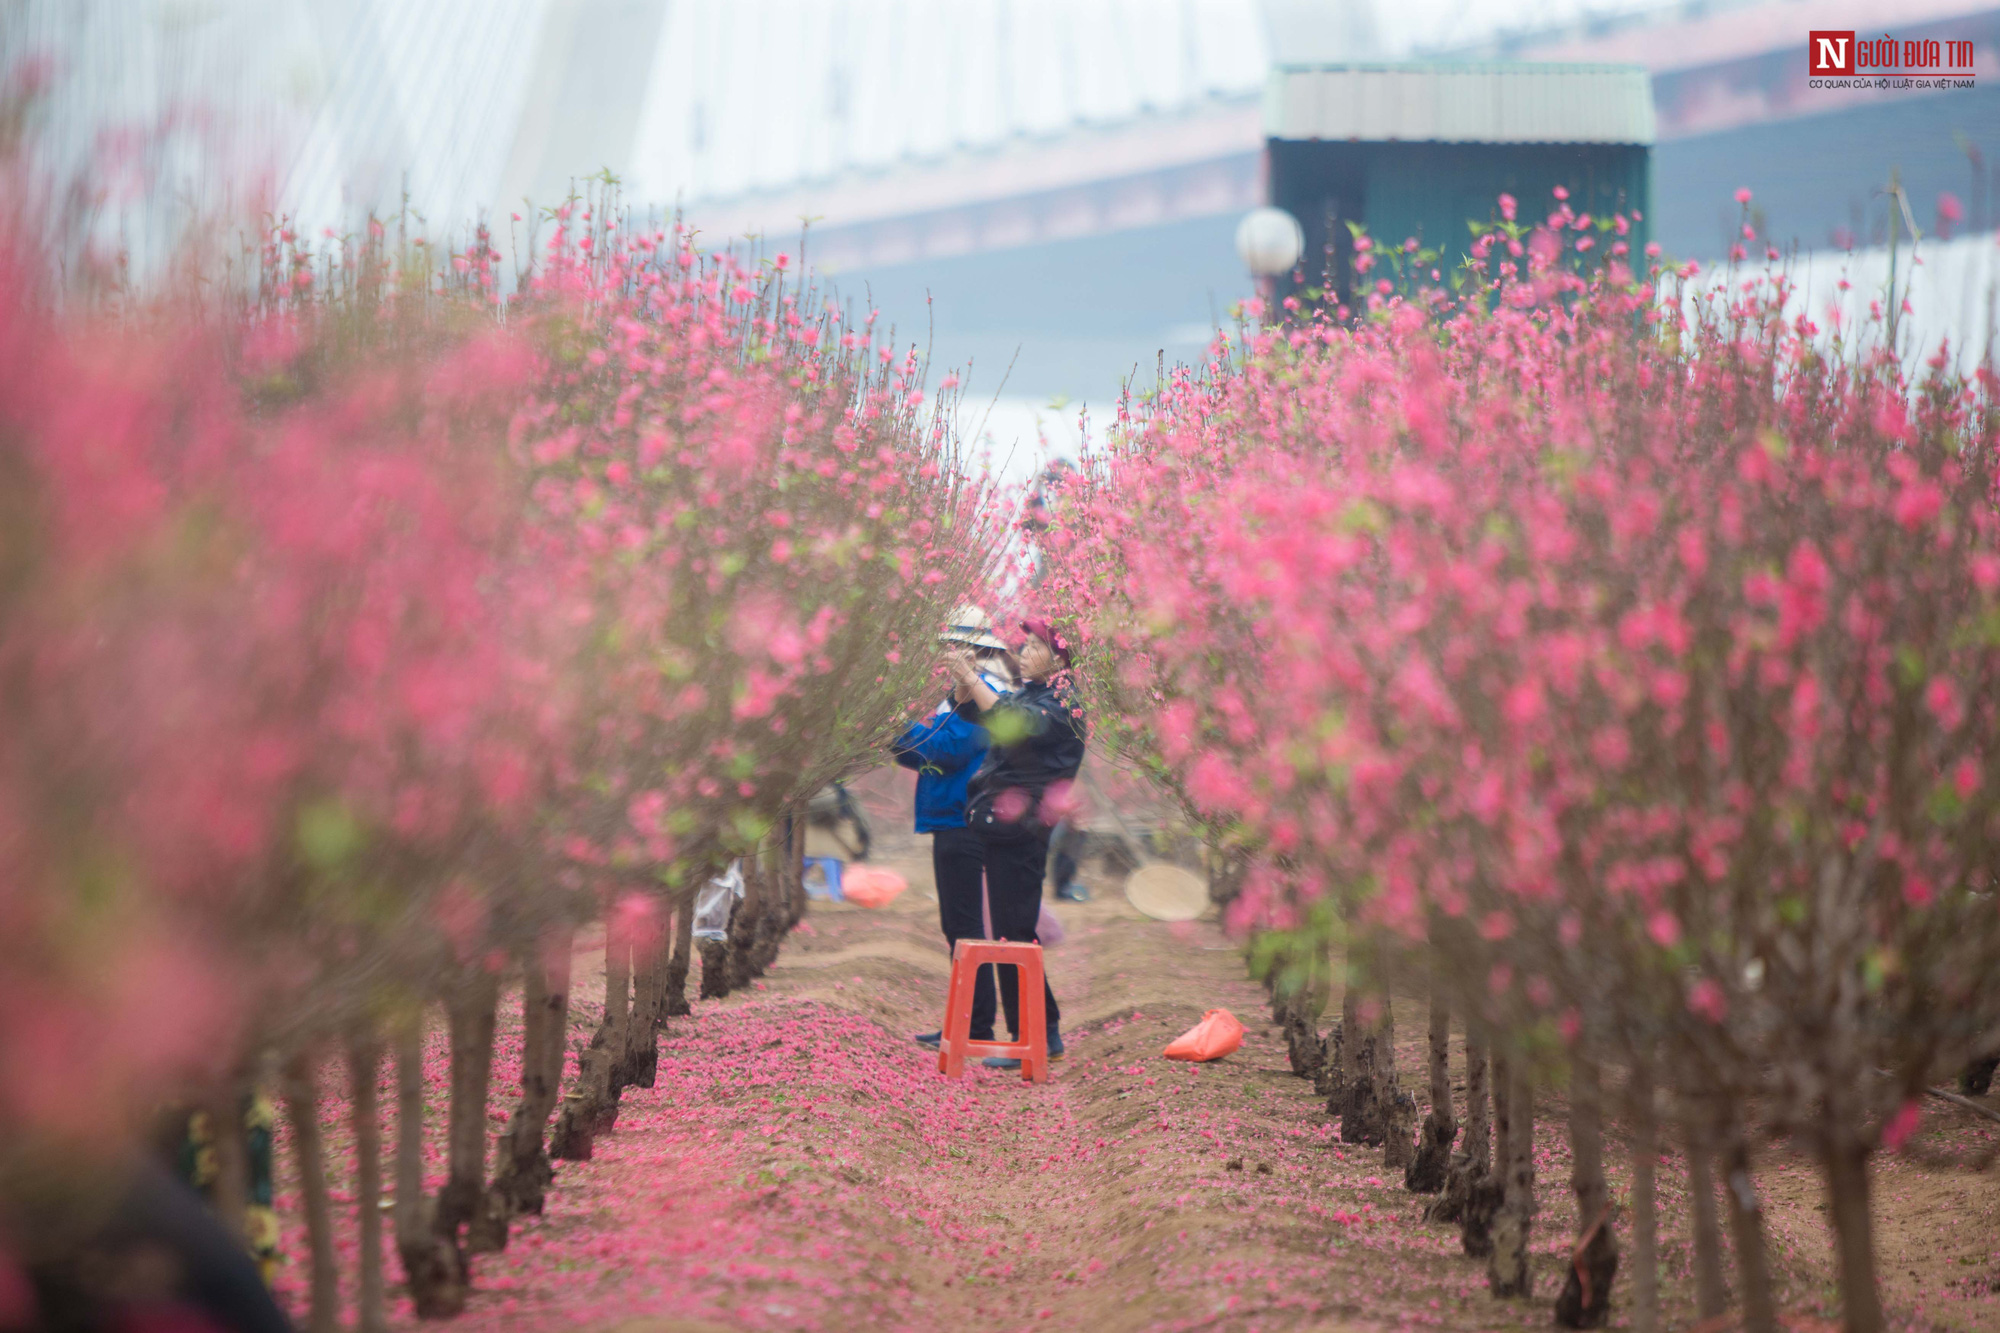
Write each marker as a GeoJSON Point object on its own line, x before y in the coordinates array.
{"type": "Point", "coordinates": [1950, 288]}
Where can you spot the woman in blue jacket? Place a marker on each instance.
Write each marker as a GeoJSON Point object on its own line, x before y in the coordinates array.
{"type": "Point", "coordinates": [1037, 746]}
{"type": "Point", "coordinates": [945, 749]}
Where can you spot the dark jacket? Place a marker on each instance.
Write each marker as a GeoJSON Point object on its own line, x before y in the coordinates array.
{"type": "Point", "coordinates": [1037, 740]}
{"type": "Point", "coordinates": [945, 749]}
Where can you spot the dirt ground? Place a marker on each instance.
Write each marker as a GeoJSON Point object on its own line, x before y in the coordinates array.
{"type": "Point", "coordinates": [801, 1164]}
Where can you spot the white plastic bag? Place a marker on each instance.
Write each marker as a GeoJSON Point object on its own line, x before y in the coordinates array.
{"type": "Point", "coordinates": [715, 902]}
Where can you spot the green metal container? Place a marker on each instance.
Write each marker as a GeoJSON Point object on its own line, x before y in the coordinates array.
{"type": "Point", "coordinates": [1421, 151]}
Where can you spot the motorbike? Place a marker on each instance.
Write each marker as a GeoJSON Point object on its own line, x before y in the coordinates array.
{"type": "Point", "coordinates": [834, 809]}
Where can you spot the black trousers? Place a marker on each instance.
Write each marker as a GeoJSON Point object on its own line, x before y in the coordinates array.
{"type": "Point", "coordinates": [1015, 859]}
{"type": "Point", "coordinates": [959, 865]}
{"type": "Point", "coordinates": [1062, 853]}
{"type": "Point", "coordinates": [158, 1215]}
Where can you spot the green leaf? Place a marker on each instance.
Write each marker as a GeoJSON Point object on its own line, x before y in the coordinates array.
{"type": "Point", "coordinates": [328, 834]}
{"type": "Point", "coordinates": [1006, 726]}
{"type": "Point", "coordinates": [750, 826]}
{"type": "Point", "coordinates": [1361, 516]}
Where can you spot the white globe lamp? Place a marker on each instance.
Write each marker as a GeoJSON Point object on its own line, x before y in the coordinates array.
{"type": "Point", "coordinates": [1269, 241]}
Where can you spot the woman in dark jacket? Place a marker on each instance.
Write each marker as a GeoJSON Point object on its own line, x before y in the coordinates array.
{"type": "Point", "coordinates": [1037, 746]}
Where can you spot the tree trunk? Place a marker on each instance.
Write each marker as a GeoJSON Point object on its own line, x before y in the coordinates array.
{"type": "Point", "coordinates": [1295, 1015]}
{"type": "Point", "coordinates": [588, 1109]}
{"type": "Point", "coordinates": [1507, 1272]}
{"type": "Point", "coordinates": [1488, 1189]}
{"type": "Point", "coordinates": [1328, 1080]}
{"type": "Point", "coordinates": [1330, 1075]}
{"type": "Point", "coordinates": [722, 961]}
{"type": "Point", "coordinates": [591, 1108]}
{"type": "Point", "coordinates": [409, 1187]}
{"type": "Point", "coordinates": [1711, 1296]}
{"type": "Point", "coordinates": [617, 989]}
{"type": "Point", "coordinates": [1350, 1049]}
{"type": "Point", "coordinates": [1645, 1203]}
{"type": "Point", "coordinates": [1361, 1108]}
{"type": "Point", "coordinates": [558, 962]}
{"type": "Point", "coordinates": [364, 1065]}
{"type": "Point", "coordinates": [1399, 1109]}
{"type": "Point", "coordinates": [642, 1031]}
{"type": "Point", "coordinates": [717, 960]}
{"type": "Point", "coordinates": [471, 1009]}
{"type": "Point", "coordinates": [1433, 1160]}
{"type": "Point", "coordinates": [1478, 1099]}
{"type": "Point", "coordinates": [1474, 1156]}
{"type": "Point", "coordinates": [622, 966]}
{"type": "Point", "coordinates": [522, 1175]}
{"type": "Point", "coordinates": [1746, 1227]}
{"type": "Point", "coordinates": [771, 925]}
{"type": "Point", "coordinates": [675, 1004]}
{"type": "Point", "coordinates": [775, 915]}
{"type": "Point", "coordinates": [714, 969]}
{"type": "Point", "coordinates": [1585, 1301]}
{"type": "Point", "coordinates": [662, 959]}
{"type": "Point", "coordinates": [1847, 1203]}
{"type": "Point", "coordinates": [302, 1109]}
{"type": "Point", "coordinates": [433, 1271]}
{"type": "Point", "coordinates": [641, 1025]}
{"type": "Point", "coordinates": [796, 859]}
{"type": "Point", "coordinates": [788, 875]}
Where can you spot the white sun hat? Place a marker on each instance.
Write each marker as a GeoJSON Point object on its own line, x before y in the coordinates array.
{"type": "Point", "coordinates": [971, 626]}
{"type": "Point", "coordinates": [1167, 892]}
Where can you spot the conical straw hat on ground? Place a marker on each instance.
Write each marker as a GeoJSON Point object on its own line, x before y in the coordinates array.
{"type": "Point", "coordinates": [1167, 892]}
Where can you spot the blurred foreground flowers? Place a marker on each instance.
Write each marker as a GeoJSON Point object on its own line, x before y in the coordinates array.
{"type": "Point", "coordinates": [361, 633]}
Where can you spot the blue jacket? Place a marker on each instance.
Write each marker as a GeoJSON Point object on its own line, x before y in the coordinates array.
{"type": "Point", "coordinates": [945, 749]}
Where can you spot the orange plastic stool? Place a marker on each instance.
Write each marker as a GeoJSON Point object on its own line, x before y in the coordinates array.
{"type": "Point", "coordinates": [955, 1042]}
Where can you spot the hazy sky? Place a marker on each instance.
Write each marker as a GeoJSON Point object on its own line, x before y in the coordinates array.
{"type": "Point", "coordinates": [753, 95]}
{"type": "Point", "coordinates": [1405, 25]}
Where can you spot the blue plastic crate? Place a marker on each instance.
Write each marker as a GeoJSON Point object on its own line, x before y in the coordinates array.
{"type": "Point", "coordinates": [822, 877]}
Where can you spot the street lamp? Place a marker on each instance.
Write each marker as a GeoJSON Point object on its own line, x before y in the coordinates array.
{"type": "Point", "coordinates": [1269, 241]}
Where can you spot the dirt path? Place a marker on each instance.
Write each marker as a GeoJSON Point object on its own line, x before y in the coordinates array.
{"type": "Point", "coordinates": [800, 1164]}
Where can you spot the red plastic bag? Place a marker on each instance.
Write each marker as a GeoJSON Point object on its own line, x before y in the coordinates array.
{"type": "Point", "coordinates": [1215, 1036]}
{"type": "Point", "coordinates": [871, 886]}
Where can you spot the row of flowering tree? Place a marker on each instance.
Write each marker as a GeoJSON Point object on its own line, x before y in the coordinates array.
{"type": "Point", "coordinates": [1630, 669]}
{"type": "Point", "coordinates": [364, 633]}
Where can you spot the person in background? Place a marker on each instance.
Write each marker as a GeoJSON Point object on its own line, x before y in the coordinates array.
{"type": "Point", "coordinates": [945, 749]}
{"type": "Point", "coordinates": [128, 1245]}
{"type": "Point", "coordinates": [1062, 862]}
{"type": "Point", "coordinates": [1039, 514]}
{"type": "Point", "coordinates": [194, 1161]}
{"type": "Point", "coordinates": [1037, 747]}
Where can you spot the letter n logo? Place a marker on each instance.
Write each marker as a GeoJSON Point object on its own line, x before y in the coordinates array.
{"type": "Point", "coordinates": [1830, 52]}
